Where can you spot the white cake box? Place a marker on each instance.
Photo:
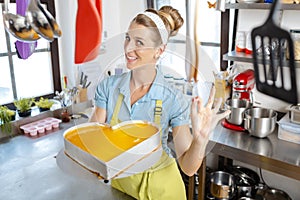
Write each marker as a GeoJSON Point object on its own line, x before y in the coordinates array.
{"type": "Point", "coordinates": [134, 160]}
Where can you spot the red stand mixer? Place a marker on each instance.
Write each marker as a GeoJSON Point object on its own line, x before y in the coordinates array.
{"type": "Point", "coordinates": [241, 98]}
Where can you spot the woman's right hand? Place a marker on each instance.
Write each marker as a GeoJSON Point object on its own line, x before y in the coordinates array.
{"type": "Point", "coordinates": [205, 118]}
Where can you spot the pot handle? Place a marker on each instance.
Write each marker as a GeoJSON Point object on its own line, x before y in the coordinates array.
{"type": "Point", "coordinates": [247, 123]}
{"type": "Point", "coordinates": [261, 186]}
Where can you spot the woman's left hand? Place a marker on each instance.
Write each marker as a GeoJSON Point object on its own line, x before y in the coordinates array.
{"type": "Point", "coordinates": [205, 118]}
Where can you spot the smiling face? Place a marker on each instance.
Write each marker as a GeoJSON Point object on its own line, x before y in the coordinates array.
{"type": "Point", "coordinates": [140, 46]}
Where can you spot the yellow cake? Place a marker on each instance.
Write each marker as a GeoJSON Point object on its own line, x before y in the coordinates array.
{"type": "Point", "coordinates": [109, 151]}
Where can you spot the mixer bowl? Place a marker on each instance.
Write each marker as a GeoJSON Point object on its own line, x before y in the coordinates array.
{"type": "Point", "coordinates": [260, 122]}
{"type": "Point", "coordinates": [237, 107]}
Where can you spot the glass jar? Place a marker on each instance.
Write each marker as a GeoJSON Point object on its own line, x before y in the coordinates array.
{"type": "Point", "coordinates": [295, 34]}
{"type": "Point", "coordinates": [240, 41]}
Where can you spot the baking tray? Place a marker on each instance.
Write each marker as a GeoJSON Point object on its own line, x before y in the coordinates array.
{"type": "Point", "coordinates": [134, 160]}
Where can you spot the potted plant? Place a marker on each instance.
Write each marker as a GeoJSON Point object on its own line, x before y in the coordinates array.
{"type": "Point", "coordinates": [6, 115]}
{"type": "Point", "coordinates": [23, 106]}
{"type": "Point", "coordinates": [44, 104]}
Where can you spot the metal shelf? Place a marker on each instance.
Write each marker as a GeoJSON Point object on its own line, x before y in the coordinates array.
{"type": "Point", "coordinates": [239, 57]}
{"type": "Point", "coordinates": [261, 6]}
{"type": "Point", "coordinates": [278, 156]}
{"type": "Point", "coordinates": [242, 57]}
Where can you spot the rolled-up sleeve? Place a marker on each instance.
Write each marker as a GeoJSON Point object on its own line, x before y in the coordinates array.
{"type": "Point", "coordinates": [180, 114]}
{"type": "Point", "coordinates": [101, 94]}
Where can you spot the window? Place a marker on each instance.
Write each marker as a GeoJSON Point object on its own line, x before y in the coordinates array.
{"type": "Point", "coordinates": [209, 35]}
{"type": "Point", "coordinates": [33, 77]}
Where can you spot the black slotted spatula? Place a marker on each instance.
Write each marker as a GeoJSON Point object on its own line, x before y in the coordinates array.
{"type": "Point", "coordinates": [274, 74]}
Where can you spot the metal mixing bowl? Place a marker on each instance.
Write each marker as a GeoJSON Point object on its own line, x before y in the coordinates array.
{"type": "Point", "coordinates": [237, 107]}
{"type": "Point", "coordinates": [260, 122]}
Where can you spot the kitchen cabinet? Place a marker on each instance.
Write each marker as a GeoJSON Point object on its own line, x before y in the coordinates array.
{"type": "Point", "coordinates": [269, 153]}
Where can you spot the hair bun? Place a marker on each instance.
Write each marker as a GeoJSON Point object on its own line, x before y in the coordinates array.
{"type": "Point", "coordinates": [172, 17]}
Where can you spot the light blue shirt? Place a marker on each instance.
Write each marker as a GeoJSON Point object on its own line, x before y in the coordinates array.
{"type": "Point", "coordinates": [175, 107]}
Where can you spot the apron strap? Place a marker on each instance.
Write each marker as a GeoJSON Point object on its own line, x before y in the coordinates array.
{"type": "Point", "coordinates": [157, 111]}
{"type": "Point", "coordinates": [115, 119]}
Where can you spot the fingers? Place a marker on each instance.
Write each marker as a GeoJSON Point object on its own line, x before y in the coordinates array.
{"type": "Point", "coordinates": [197, 104]}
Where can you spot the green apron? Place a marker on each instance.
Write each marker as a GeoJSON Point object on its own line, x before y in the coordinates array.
{"type": "Point", "coordinates": [161, 181]}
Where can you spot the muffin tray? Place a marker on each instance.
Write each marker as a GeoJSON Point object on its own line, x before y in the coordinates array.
{"type": "Point", "coordinates": [41, 126]}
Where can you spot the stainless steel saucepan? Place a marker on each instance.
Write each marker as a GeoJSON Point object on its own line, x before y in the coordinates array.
{"type": "Point", "coordinates": [222, 185]}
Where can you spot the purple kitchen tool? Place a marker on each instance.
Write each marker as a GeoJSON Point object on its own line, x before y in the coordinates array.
{"type": "Point", "coordinates": [24, 49]}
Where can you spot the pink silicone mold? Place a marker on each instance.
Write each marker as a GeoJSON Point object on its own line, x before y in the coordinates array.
{"type": "Point", "coordinates": [41, 126]}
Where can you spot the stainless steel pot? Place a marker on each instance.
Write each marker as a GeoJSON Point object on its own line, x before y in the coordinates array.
{"type": "Point", "coordinates": [275, 194]}
{"type": "Point", "coordinates": [222, 185]}
{"type": "Point", "coordinates": [246, 198]}
{"type": "Point", "coordinates": [237, 107]}
{"type": "Point", "coordinates": [260, 122]}
{"type": "Point", "coordinates": [247, 181]}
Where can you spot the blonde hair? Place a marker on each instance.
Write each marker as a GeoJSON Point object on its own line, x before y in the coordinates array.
{"type": "Point", "coordinates": [169, 15]}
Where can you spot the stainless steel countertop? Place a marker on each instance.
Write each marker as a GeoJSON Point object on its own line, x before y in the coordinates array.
{"type": "Point", "coordinates": [30, 169]}
{"type": "Point", "coordinates": [269, 153]}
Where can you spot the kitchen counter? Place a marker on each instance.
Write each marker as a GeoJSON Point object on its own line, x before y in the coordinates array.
{"type": "Point", "coordinates": [37, 168]}
{"type": "Point", "coordinates": [31, 168]}
{"type": "Point", "coordinates": [269, 153]}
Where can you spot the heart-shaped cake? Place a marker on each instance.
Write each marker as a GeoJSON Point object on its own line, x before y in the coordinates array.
{"type": "Point", "coordinates": [108, 150]}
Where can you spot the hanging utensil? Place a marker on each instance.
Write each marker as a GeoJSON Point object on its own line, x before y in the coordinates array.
{"type": "Point", "coordinates": [88, 25]}
{"type": "Point", "coordinates": [56, 30]}
{"type": "Point", "coordinates": [274, 75]}
{"type": "Point", "coordinates": [39, 21]}
{"type": "Point", "coordinates": [18, 26]}
{"type": "Point", "coordinates": [24, 49]}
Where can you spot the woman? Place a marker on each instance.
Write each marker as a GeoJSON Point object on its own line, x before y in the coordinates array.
{"type": "Point", "coordinates": [143, 94]}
